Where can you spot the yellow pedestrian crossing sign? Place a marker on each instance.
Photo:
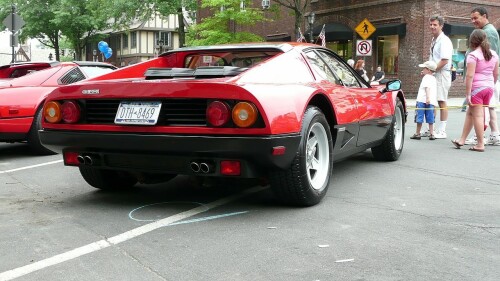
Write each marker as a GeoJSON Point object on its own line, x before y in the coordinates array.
{"type": "Point", "coordinates": [365, 29]}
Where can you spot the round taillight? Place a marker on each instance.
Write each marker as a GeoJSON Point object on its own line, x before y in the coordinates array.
{"type": "Point", "coordinates": [52, 112]}
{"type": "Point", "coordinates": [244, 114]}
{"type": "Point", "coordinates": [217, 113]}
{"type": "Point", "coordinates": [70, 112]}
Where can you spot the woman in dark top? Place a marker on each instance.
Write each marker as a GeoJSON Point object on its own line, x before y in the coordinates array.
{"type": "Point", "coordinates": [360, 68]}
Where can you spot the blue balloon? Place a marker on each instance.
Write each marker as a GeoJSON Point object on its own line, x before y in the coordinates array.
{"type": "Point", "coordinates": [108, 53]}
{"type": "Point", "coordinates": [102, 46]}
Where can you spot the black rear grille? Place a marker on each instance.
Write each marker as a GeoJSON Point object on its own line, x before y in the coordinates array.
{"type": "Point", "coordinates": [174, 112]}
{"type": "Point", "coordinates": [101, 111]}
{"type": "Point", "coordinates": [183, 112]}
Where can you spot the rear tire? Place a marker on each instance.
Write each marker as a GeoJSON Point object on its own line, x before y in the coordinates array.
{"type": "Point", "coordinates": [391, 148]}
{"type": "Point", "coordinates": [306, 182]}
{"type": "Point", "coordinates": [33, 138]}
{"type": "Point", "coordinates": [107, 179]}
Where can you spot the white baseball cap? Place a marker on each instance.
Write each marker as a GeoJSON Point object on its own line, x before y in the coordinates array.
{"type": "Point", "coordinates": [429, 64]}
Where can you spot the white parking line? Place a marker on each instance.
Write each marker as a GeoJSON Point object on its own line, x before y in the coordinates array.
{"type": "Point", "coordinates": [102, 244]}
{"type": "Point", "coordinates": [30, 167]}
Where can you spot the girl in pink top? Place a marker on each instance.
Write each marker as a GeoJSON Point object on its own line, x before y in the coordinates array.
{"type": "Point", "coordinates": [481, 76]}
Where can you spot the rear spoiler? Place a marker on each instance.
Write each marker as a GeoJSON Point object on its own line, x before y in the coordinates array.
{"type": "Point", "coordinates": [200, 72]}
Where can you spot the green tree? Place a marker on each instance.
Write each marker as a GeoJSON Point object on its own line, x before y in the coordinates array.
{"type": "Point", "coordinates": [38, 16]}
{"type": "Point", "coordinates": [81, 21]}
{"type": "Point", "coordinates": [126, 11]}
{"type": "Point", "coordinates": [298, 9]}
{"type": "Point", "coordinates": [221, 27]}
{"type": "Point", "coordinates": [49, 21]}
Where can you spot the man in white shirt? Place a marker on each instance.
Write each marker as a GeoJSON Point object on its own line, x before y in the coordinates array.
{"type": "Point", "coordinates": [441, 52]}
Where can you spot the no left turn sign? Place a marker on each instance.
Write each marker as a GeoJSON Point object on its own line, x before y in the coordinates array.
{"type": "Point", "coordinates": [364, 48]}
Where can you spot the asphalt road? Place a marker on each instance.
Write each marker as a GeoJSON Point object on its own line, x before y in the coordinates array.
{"type": "Point", "coordinates": [432, 215]}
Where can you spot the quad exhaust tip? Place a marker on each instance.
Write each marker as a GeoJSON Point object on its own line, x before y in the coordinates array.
{"type": "Point", "coordinates": [202, 167]}
{"type": "Point", "coordinates": [87, 159]}
{"type": "Point", "coordinates": [195, 167]}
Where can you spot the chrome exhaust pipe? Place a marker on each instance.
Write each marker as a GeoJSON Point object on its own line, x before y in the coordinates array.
{"type": "Point", "coordinates": [88, 160]}
{"type": "Point", "coordinates": [80, 159]}
{"type": "Point", "coordinates": [206, 168]}
{"type": "Point", "coordinates": [195, 167]}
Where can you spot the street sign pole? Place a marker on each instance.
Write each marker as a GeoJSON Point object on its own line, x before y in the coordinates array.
{"type": "Point", "coordinates": [12, 35]}
{"type": "Point", "coordinates": [13, 22]}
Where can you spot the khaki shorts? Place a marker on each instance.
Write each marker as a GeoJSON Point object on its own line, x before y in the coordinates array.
{"type": "Point", "coordinates": [494, 101]}
{"type": "Point", "coordinates": [443, 79]}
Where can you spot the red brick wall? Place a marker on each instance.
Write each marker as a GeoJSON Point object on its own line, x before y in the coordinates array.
{"type": "Point", "coordinates": [279, 22]}
{"type": "Point", "coordinates": [413, 48]}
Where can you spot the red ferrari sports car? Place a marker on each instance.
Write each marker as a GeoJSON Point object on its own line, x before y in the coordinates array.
{"type": "Point", "coordinates": [283, 112]}
{"type": "Point", "coordinates": [21, 99]}
{"type": "Point", "coordinates": [18, 69]}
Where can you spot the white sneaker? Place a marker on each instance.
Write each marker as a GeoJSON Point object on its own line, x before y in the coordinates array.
{"type": "Point", "coordinates": [426, 134]}
{"type": "Point", "coordinates": [472, 141]}
{"type": "Point", "coordinates": [493, 140]}
{"type": "Point", "coordinates": [440, 135]}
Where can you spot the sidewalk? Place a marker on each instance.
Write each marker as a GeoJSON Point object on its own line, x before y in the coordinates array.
{"type": "Point", "coordinates": [452, 102]}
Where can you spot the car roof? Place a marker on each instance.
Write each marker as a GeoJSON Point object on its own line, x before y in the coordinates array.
{"type": "Point", "coordinates": [54, 63]}
{"type": "Point", "coordinates": [283, 46]}
{"type": "Point", "coordinates": [93, 63]}
{"type": "Point", "coordinates": [29, 64]}
{"type": "Point", "coordinates": [38, 77]}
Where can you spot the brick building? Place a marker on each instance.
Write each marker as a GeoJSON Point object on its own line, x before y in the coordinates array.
{"type": "Point", "coordinates": [402, 36]}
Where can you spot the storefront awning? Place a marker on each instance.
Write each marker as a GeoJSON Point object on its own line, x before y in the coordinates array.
{"type": "Point", "coordinates": [458, 29]}
{"type": "Point", "coordinates": [338, 31]}
{"type": "Point", "coordinates": [390, 29]}
{"type": "Point", "coordinates": [334, 31]}
{"type": "Point", "coordinates": [279, 37]}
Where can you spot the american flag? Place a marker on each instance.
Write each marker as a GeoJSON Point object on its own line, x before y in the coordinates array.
{"type": "Point", "coordinates": [300, 37]}
{"type": "Point", "coordinates": [322, 37]}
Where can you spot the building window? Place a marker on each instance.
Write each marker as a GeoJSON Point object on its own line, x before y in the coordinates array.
{"type": "Point", "coordinates": [342, 48]}
{"type": "Point", "coordinates": [387, 53]}
{"type": "Point", "coordinates": [114, 42]}
{"type": "Point", "coordinates": [460, 44]}
{"type": "Point", "coordinates": [133, 39]}
{"type": "Point", "coordinates": [162, 38]}
{"type": "Point", "coordinates": [125, 40]}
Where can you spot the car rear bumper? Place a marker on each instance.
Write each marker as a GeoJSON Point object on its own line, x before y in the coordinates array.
{"type": "Point", "coordinates": [175, 153]}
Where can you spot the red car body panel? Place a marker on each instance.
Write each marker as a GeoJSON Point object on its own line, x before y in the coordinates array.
{"type": "Point", "coordinates": [20, 98]}
{"type": "Point", "coordinates": [16, 115]}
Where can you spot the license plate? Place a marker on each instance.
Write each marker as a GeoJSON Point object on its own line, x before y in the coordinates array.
{"type": "Point", "coordinates": [138, 112]}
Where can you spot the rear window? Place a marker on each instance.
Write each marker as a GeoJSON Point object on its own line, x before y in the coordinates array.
{"type": "Point", "coordinates": [289, 68]}
{"type": "Point", "coordinates": [35, 78]}
{"type": "Point", "coordinates": [93, 71]}
{"type": "Point", "coordinates": [236, 58]}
